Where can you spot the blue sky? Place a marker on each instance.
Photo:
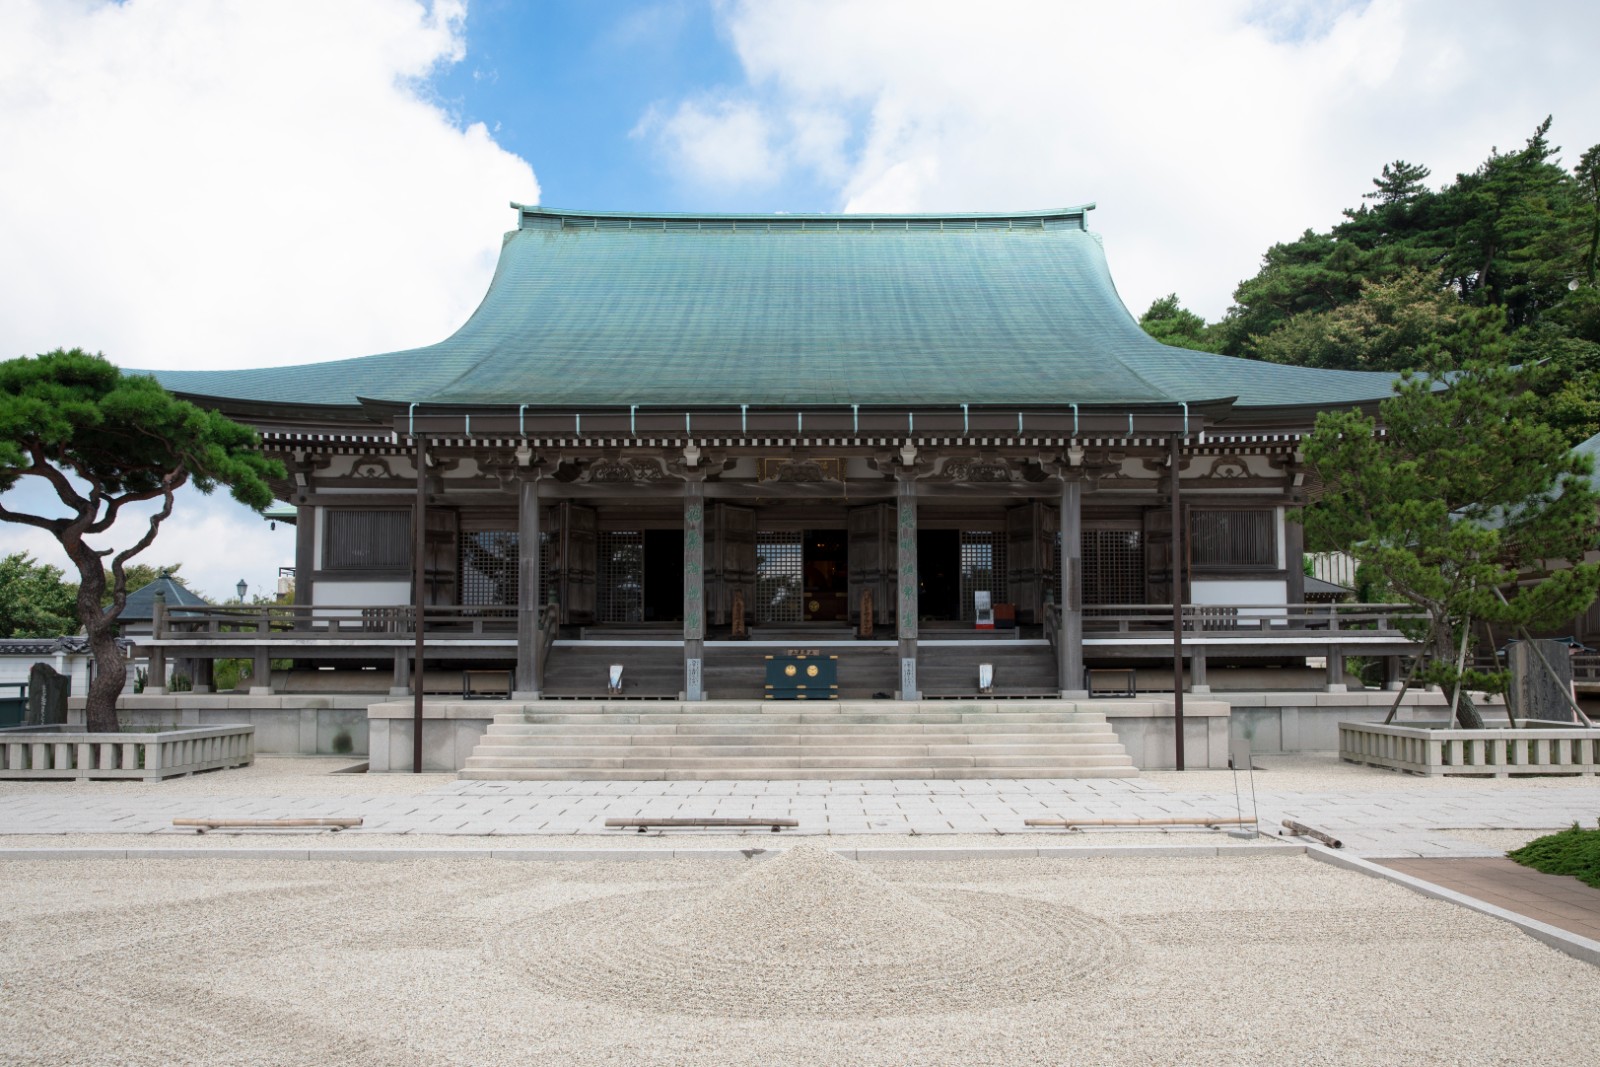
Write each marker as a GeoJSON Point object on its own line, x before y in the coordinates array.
{"type": "Point", "coordinates": [556, 84]}
{"type": "Point", "coordinates": [231, 183]}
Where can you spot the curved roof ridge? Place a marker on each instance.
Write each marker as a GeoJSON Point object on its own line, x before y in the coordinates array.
{"type": "Point", "coordinates": [777, 216]}
{"type": "Point", "coordinates": [599, 309]}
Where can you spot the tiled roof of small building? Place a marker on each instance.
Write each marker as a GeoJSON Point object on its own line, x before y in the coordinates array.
{"type": "Point", "coordinates": [677, 310]}
{"type": "Point", "coordinates": [141, 602]}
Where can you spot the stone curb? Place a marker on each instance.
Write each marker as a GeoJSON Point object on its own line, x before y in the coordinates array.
{"type": "Point", "coordinates": [579, 855]}
{"type": "Point", "coordinates": [1574, 945]}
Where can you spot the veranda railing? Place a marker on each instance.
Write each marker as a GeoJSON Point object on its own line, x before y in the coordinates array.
{"type": "Point", "coordinates": [1283, 620]}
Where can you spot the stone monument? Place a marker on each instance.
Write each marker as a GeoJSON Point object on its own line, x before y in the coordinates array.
{"type": "Point", "coordinates": [1541, 680]}
{"type": "Point", "coordinates": [47, 696]}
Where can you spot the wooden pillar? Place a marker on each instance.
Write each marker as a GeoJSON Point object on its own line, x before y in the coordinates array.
{"type": "Point", "coordinates": [155, 679]}
{"type": "Point", "coordinates": [1336, 682]}
{"type": "Point", "coordinates": [261, 667]}
{"type": "Point", "coordinates": [203, 674]}
{"type": "Point", "coordinates": [305, 558]}
{"type": "Point", "coordinates": [1069, 642]}
{"type": "Point", "coordinates": [1177, 602]}
{"type": "Point", "coordinates": [694, 586]}
{"type": "Point", "coordinates": [1197, 670]}
{"type": "Point", "coordinates": [530, 639]}
{"type": "Point", "coordinates": [419, 550]}
{"type": "Point", "coordinates": [906, 568]}
{"type": "Point", "coordinates": [1294, 558]}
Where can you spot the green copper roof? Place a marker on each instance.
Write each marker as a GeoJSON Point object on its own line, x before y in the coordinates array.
{"type": "Point", "coordinates": [696, 311]}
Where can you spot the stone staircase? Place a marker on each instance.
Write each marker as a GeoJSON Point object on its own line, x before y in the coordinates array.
{"type": "Point", "coordinates": [670, 740]}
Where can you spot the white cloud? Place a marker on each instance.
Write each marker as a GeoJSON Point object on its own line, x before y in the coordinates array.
{"type": "Point", "coordinates": [193, 183]}
{"type": "Point", "coordinates": [196, 183]}
{"type": "Point", "coordinates": [1205, 132]}
{"type": "Point", "coordinates": [715, 143]}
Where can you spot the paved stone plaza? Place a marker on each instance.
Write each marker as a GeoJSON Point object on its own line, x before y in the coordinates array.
{"type": "Point", "coordinates": [1376, 813]}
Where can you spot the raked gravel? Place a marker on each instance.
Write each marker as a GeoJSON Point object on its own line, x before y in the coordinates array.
{"type": "Point", "coordinates": [799, 958]}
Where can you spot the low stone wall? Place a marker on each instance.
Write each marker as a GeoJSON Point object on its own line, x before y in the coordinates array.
{"type": "Point", "coordinates": [1526, 747]}
{"type": "Point", "coordinates": [1309, 722]}
{"type": "Point", "coordinates": [1145, 729]}
{"type": "Point", "coordinates": [53, 752]}
{"type": "Point", "coordinates": [333, 725]}
{"type": "Point", "coordinates": [450, 731]}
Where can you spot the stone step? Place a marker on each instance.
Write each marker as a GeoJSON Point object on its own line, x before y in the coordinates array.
{"type": "Point", "coordinates": [854, 774]}
{"type": "Point", "coordinates": [778, 764]}
{"type": "Point", "coordinates": [954, 715]}
{"type": "Point", "coordinates": [752, 740]}
{"type": "Point", "coordinates": [1075, 736]}
{"type": "Point", "coordinates": [502, 755]}
{"type": "Point", "coordinates": [762, 729]}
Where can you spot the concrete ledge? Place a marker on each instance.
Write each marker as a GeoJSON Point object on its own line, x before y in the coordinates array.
{"type": "Point", "coordinates": [1574, 945]}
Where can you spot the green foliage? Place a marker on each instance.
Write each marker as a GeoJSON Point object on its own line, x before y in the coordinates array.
{"type": "Point", "coordinates": [1498, 264]}
{"type": "Point", "coordinates": [1587, 174]}
{"type": "Point", "coordinates": [1402, 322]}
{"type": "Point", "coordinates": [103, 440]}
{"type": "Point", "coordinates": [1314, 273]}
{"type": "Point", "coordinates": [1516, 231]}
{"type": "Point", "coordinates": [124, 435]}
{"type": "Point", "coordinates": [1574, 851]}
{"type": "Point", "coordinates": [34, 601]}
{"type": "Point", "coordinates": [1173, 324]}
{"type": "Point", "coordinates": [1465, 492]}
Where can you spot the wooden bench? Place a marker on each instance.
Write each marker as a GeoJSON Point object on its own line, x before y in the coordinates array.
{"type": "Point", "coordinates": [202, 825]}
{"type": "Point", "coordinates": [643, 824]}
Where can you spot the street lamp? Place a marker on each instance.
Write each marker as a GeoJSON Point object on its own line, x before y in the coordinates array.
{"type": "Point", "coordinates": [243, 587]}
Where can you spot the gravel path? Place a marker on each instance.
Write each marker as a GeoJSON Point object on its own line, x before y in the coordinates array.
{"type": "Point", "coordinates": [796, 959]}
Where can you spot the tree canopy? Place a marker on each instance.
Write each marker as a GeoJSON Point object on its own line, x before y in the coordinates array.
{"type": "Point", "coordinates": [102, 440]}
{"type": "Point", "coordinates": [1499, 263]}
{"type": "Point", "coordinates": [1468, 505]}
{"type": "Point", "coordinates": [34, 601]}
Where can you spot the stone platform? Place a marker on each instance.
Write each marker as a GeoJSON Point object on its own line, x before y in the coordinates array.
{"type": "Point", "coordinates": [741, 740]}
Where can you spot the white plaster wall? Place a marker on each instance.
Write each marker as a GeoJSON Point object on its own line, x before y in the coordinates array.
{"type": "Point", "coordinates": [361, 594]}
{"type": "Point", "coordinates": [1214, 592]}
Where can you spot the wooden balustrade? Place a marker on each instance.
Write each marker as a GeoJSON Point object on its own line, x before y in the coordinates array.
{"type": "Point", "coordinates": [1312, 620]}
{"type": "Point", "coordinates": [290, 622]}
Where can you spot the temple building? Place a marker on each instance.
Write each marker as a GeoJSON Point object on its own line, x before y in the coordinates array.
{"type": "Point", "coordinates": [680, 444]}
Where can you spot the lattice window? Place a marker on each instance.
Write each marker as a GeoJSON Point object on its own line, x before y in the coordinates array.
{"type": "Point", "coordinates": [358, 539]}
{"type": "Point", "coordinates": [780, 573]}
{"type": "Point", "coordinates": [620, 575]}
{"type": "Point", "coordinates": [1113, 567]}
{"type": "Point", "coordinates": [550, 576]}
{"type": "Point", "coordinates": [1233, 538]}
{"type": "Point", "coordinates": [489, 567]}
{"type": "Point", "coordinates": [983, 566]}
